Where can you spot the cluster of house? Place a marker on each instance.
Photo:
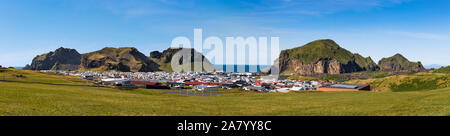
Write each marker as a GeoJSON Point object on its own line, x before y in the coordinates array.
{"type": "Point", "coordinates": [207, 81]}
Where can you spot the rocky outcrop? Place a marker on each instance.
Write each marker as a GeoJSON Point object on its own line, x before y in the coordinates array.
{"type": "Point", "coordinates": [323, 57]}
{"type": "Point", "coordinates": [164, 59]}
{"type": "Point", "coordinates": [367, 64]}
{"type": "Point", "coordinates": [126, 59]}
{"type": "Point", "coordinates": [327, 57]}
{"type": "Point", "coordinates": [156, 54]}
{"type": "Point", "coordinates": [327, 65]}
{"type": "Point", "coordinates": [60, 59]}
{"type": "Point", "coordinates": [398, 63]}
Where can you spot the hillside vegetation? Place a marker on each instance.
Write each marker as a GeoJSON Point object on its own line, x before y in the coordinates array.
{"type": "Point", "coordinates": [323, 57]}
{"type": "Point", "coordinates": [124, 59]}
{"type": "Point", "coordinates": [445, 70]}
{"type": "Point", "coordinates": [412, 82]}
{"type": "Point", "coordinates": [365, 63]}
{"type": "Point", "coordinates": [164, 59]}
{"type": "Point", "coordinates": [399, 63]}
{"type": "Point", "coordinates": [26, 99]}
{"type": "Point", "coordinates": [327, 57]}
{"type": "Point", "coordinates": [120, 59]}
{"type": "Point", "coordinates": [61, 58]}
{"type": "Point", "coordinates": [315, 50]}
{"type": "Point", "coordinates": [38, 77]}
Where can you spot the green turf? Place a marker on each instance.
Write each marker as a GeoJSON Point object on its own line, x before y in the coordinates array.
{"type": "Point", "coordinates": [325, 48]}
{"type": "Point", "coordinates": [443, 70]}
{"type": "Point", "coordinates": [377, 74]}
{"type": "Point", "coordinates": [35, 76]}
{"type": "Point", "coordinates": [37, 99]}
{"type": "Point", "coordinates": [411, 82]}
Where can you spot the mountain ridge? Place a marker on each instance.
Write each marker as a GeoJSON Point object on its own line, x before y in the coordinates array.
{"type": "Point", "coordinates": [325, 56]}
{"type": "Point", "coordinates": [322, 57]}
{"type": "Point", "coordinates": [124, 59]}
{"type": "Point", "coordinates": [317, 57]}
{"type": "Point", "coordinates": [400, 63]}
{"type": "Point", "coordinates": [61, 58]}
{"type": "Point", "coordinates": [164, 58]}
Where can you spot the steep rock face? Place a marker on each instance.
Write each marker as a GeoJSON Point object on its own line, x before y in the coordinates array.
{"type": "Point", "coordinates": [323, 57]}
{"type": "Point", "coordinates": [321, 66]}
{"type": "Point", "coordinates": [126, 59]}
{"type": "Point", "coordinates": [164, 58]}
{"type": "Point", "coordinates": [399, 63]}
{"type": "Point", "coordinates": [156, 54]}
{"type": "Point", "coordinates": [60, 59]}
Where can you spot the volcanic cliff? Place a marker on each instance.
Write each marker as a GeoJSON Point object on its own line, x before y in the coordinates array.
{"type": "Point", "coordinates": [164, 59]}
{"type": "Point", "coordinates": [399, 63]}
{"type": "Point", "coordinates": [125, 59]}
{"type": "Point", "coordinates": [60, 59]}
{"type": "Point", "coordinates": [323, 57]}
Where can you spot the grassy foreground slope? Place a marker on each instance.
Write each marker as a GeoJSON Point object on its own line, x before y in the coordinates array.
{"type": "Point", "coordinates": [412, 82]}
{"type": "Point", "coordinates": [38, 77]}
{"type": "Point", "coordinates": [445, 70]}
{"type": "Point", "coordinates": [40, 99]}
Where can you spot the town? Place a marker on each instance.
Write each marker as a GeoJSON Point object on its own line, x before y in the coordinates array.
{"type": "Point", "coordinates": [206, 81]}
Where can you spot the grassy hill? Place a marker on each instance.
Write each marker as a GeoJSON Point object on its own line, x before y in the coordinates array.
{"type": "Point", "coordinates": [412, 82]}
{"type": "Point", "coordinates": [164, 59]}
{"type": "Point", "coordinates": [120, 59]}
{"type": "Point", "coordinates": [312, 51]}
{"type": "Point", "coordinates": [41, 100]}
{"type": "Point", "coordinates": [323, 56]}
{"type": "Point", "coordinates": [365, 63]}
{"type": "Point", "coordinates": [445, 70]}
{"type": "Point", "coordinates": [60, 59]}
{"type": "Point", "coordinates": [38, 77]}
{"type": "Point", "coordinates": [399, 63]}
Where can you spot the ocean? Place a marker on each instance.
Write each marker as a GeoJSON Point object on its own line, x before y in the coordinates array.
{"type": "Point", "coordinates": [18, 67]}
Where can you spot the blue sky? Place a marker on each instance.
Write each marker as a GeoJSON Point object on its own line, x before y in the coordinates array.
{"type": "Point", "coordinates": [418, 29]}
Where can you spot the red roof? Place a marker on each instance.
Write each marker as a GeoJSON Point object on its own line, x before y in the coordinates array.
{"type": "Point", "coordinates": [216, 84]}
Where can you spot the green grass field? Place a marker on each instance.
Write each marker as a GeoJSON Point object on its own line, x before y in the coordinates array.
{"type": "Point", "coordinates": [411, 82]}
{"type": "Point", "coordinates": [35, 76]}
{"type": "Point", "coordinates": [26, 99]}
